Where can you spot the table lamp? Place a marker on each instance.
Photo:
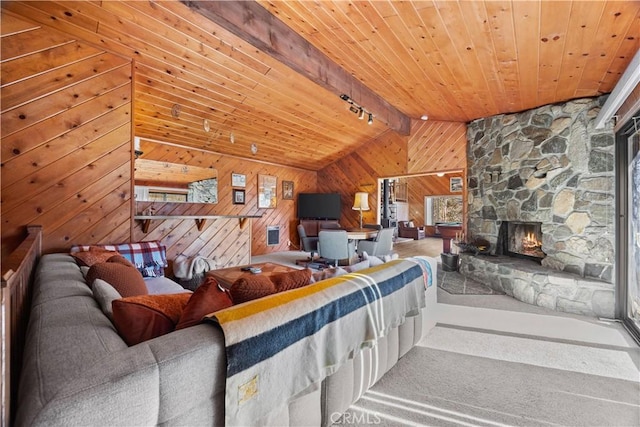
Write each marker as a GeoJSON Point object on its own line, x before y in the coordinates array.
{"type": "Point", "coordinates": [361, 203]}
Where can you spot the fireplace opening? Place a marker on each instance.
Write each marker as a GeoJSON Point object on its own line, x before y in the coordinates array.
{"type": "Point", "coordinates": [521, 239]}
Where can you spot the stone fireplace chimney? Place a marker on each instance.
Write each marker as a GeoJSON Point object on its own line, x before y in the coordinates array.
{"type": "Point", "coordinates": [549, 166]}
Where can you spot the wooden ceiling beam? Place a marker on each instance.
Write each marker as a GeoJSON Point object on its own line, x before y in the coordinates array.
{"type": "Point", "coordinates": [256, 25]}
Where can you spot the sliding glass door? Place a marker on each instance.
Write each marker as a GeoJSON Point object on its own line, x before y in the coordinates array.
{"type": "Point", "coordinates": [628, 141]}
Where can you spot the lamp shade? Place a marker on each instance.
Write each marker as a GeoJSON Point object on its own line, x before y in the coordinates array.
{"type": "Point", "coordinates": [361, 202]}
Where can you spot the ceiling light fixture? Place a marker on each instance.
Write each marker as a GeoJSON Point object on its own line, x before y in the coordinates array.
{"type": "Point", "coordinates": [424, 117]}
{"type": "Point", "coordinates": [357, 109]}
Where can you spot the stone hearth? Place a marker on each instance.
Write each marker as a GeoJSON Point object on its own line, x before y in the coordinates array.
{"type": "Point", "coordinates": [548, 165]}
{"type": "Point", "coordinates": [532, 283]}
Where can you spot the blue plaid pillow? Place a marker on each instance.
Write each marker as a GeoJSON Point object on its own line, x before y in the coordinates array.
{"type": "Point", "coordinates": [150, 258]}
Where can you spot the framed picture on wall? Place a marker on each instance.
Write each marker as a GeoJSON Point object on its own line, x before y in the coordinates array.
{"type": "Point", "coordinates": [238, 197]}
{"type": "Point", "coordinates": [267, 192]}
{"type": "Point", "coordinates": [238, 180]}
{"type": "Point", "coordinates": [287, 190]}
{"type": "Point", "coordinates": [455, 184]}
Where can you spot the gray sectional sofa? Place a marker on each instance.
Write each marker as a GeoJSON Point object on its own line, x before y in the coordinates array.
{"type": "Point", "coordinates": [78, 371]}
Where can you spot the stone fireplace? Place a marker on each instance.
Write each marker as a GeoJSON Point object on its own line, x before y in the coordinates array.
{"type": "Point", "coordinates": [541, 185]}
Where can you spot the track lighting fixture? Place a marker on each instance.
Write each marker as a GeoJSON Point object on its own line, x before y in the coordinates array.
{"type": "Point", "coordinates": [357, 109]}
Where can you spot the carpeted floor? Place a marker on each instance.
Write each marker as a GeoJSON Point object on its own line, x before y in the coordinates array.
{"type": "Point", "coordinates": [501, 366]}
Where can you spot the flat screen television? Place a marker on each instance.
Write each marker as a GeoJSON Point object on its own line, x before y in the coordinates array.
{"type": "Point", "coordinates": [319, 206]}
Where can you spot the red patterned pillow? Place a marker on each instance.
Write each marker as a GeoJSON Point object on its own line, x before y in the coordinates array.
{"type": "Point", "coordinates": [125, 279]}
{"type": "Point", "coordinates": [144, 317]}
{"type": "Point", "coordinates": [207, 298]}
{"type": "Point", "coordinates": [291, 279]}
{"type": "Point", "coordinates": [93, 255]}
{"type": "Point", "coordinates": [251, 287]}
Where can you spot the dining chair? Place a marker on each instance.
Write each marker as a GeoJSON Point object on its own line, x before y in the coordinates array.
{"type": "Point", "coordinates": [381, 245]}
{"type": "Point", "coordinates": [335, 246]}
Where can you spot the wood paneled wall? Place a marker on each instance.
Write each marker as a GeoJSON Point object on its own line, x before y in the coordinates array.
{"type": "Point", "coordinates": [66, 138]}
{"type": "Point", "coordinates": [359, 171]}
{"type": "Point", "coordinates": [67, 162]}
{"type": "Point", "coordinates": [426, 185]}
{"type": "Point", "coordinates": [192, 241]}
{"type": "Point", "coordinates": [437, 146]}
{"type": "Point", "coordinates": [432, 147]}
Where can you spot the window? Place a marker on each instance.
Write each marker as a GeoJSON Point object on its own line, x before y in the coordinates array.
{"type": "Point", "coordinates": [443, 209]}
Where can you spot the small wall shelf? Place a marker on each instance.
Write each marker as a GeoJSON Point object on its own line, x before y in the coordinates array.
{"type": "Point", "coordinates": [199, 219]}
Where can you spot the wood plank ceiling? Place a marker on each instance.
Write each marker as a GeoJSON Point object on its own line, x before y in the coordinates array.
{"type": "Point", "coordinates": [453, 61]}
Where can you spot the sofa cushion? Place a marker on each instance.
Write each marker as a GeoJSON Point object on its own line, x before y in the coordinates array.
{"type": "Point", "coordinates": [209, 297]}
{"type": "Point", "coordinates": [150, 258]}
{"type": "Point", "coordinates": [125, 279]}
{"type": "Point", "coordinates": [119, 259]}
{"type": "Point", "coordinates": [93, 255]}
{"type": "Point", "coordinates": [105, 294]}
{"type": "Point", "coordinates": [145, 317]}
{"type": "Point", "coordinates": [291, 279]}
{"type": "Point", "coordinates": [251, 287]}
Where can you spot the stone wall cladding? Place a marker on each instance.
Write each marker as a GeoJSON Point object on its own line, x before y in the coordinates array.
{"type": "Point", "coordinates": [547, 165]}
{"type": "Point", "coordinates": [537, 285]}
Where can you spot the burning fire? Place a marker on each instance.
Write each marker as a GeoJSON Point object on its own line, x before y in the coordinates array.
{"type": "Point", "coordinates": [530, 242]}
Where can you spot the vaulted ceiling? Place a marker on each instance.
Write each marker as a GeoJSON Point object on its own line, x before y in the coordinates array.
{"type": "Point", "coordinates": [199, 83]}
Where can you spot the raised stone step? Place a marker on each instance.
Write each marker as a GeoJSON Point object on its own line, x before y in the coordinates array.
{"type": "Point", "coordinates": [455, 283]}
{"type": "Point", "coordinates": [535, 284]}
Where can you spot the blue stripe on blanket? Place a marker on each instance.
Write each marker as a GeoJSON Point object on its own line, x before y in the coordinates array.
{"type": "Point", "coordinates": [243, 355]}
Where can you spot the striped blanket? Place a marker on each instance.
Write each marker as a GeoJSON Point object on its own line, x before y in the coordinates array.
{"type": "Point", "coordinates": [282, 346]}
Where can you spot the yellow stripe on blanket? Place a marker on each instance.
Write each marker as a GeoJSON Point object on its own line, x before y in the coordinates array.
{"type": "Point", "coordinates": [250, 308]}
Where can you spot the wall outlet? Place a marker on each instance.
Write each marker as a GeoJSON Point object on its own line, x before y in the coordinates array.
{"type": "Point", "coordinates": [288, 243]}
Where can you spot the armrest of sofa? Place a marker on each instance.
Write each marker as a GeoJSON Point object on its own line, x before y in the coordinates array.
{"type": "Point", "coordinates": [177, 378]}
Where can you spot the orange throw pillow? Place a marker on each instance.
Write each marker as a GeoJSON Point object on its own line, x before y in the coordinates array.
{"type": "Point", "coordinates": [94, 255]}
{"type": "Point", "coordinates": [125, 279]}
{"type": "Point", "coordinates": [291, 279]}
{"type": "Point", "coordinates": [209, 297]}
{"type": "Point", "coordinates": [252, 287]}
{"type": "Point", "coordinates": [145, 317]}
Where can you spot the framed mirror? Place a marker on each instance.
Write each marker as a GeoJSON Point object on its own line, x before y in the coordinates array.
{"type": "Point", "coordinates": [159, 181]}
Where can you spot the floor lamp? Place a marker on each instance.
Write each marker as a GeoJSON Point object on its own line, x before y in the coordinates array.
{"type": "Point", "coordinates": [361, 203]}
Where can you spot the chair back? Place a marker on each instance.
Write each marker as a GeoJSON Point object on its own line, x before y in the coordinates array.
{"type": "Point", "coordinates": [308, 244]}
{"type": "Point", "coordinates": [384, 241]}
{"type": "Point", "coordinates": [301, 231]}
{"type": "Point", "coordinates": [334, 245]}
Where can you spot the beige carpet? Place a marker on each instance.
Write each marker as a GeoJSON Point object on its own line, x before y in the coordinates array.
{"type": "Point", "coordinates": [502, 366]}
